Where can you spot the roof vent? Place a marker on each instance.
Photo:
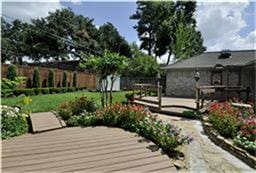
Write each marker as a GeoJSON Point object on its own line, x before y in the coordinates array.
{"type": "Point", "coordinates": [224, 54]}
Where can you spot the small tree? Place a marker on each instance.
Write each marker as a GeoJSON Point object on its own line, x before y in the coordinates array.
{"type": "Point", "coordinates": [74, 84]}
{"type": "Point", "coordinates": [64, 79]}
{"type": "Point", "coordinates": [51, 78]}
{"type": "Point", "coordinates": [109, 64]}
{"type": "Point", "coordinates": [36, 78]}
{"type": "Point", "coordinates": [11, 72]}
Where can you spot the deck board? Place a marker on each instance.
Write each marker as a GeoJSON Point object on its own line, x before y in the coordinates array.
{"type": "Point", "coordinates": [92, 149]}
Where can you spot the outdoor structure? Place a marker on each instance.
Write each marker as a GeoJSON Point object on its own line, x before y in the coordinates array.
{"type": "Point", "coordinates": [231, 71]}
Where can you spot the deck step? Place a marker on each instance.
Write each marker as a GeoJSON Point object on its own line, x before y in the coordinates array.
{"type": "Point", "coordinates": [45, 121]}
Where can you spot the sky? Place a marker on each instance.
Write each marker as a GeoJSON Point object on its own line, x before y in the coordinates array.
{"type": "Point", "coordinates": [224, 25]}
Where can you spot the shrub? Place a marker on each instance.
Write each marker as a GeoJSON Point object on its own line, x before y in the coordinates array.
{"type": "Point", "coordinates": [64, 79]}
{"type": "Point", "coordinates": [11, 72]}
{"type": "Point", "coordinates": [63, 90]}
{"type": "Point", "coordinates": [190, 114]}
{"type": "Point", "coordinates": [51, 78]}
{"type": "Point", "coordinates": [65, 110]}
{"type": "Point", "coordinates": [37, 91]}
{"type": "Point", "coordinates": [44, 90]}
{"type": "Point", "coordinates": [6, 92]}
{"type": "Point", "coordinates": [14, 123]}
{"type": "Point", "coordinates": [36, 78]}
{"type": "Point", "coordinates": [71, 89]}
{"type": "Point", "coordinates": [138, 119]}
{"type": "Point", "coordinates": [29, 91]}
{"type": "Point", "coordinates": [74, 83]}
{"type": "Point", "coordinates": [129, 96]}
{"type": "Point", "coordinates": [77, 107]}
{"type": "Point", "coordinates": [226, 125]}
{"type": "Point", "coordinates": [83, 120]}
{"type": "Point", "coordinates": [12, 84]}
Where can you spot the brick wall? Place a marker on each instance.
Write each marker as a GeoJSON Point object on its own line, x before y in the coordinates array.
{"type": "Point", "coordinates": [84, 79]}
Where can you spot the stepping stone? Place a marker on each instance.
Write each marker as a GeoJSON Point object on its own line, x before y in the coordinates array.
{"type": "Point", "coordinates": [45, 121]}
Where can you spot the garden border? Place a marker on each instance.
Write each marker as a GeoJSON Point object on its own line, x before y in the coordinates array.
{"type": "Point", "coordinates": [227, 145]}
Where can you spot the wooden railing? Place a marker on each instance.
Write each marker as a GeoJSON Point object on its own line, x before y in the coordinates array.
{"type": "Point", "coordinates": [144, 89]}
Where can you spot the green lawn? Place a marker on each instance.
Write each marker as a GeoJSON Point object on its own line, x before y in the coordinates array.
{"type": "Point", "coordinates": [49, 102]}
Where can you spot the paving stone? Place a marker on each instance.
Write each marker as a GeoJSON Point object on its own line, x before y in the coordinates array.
{"type": "Point", "coordinates": [202, 154]}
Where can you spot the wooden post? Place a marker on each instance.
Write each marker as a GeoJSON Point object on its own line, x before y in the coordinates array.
{"type": "Point", "coordinates": [197, 98]}
{"type": "Point", "coordinates": [160, 97]}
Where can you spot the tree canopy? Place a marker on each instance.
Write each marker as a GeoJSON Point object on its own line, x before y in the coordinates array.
{"type": "Point", "coordinates": [159, 27]}
{"type": "Point", "coordinates": [61, 35]}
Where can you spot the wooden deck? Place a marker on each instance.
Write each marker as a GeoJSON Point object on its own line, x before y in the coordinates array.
{"type": "Point", "coordinates": [92, 149]}
{"type": "Point", "coordinates": [170, 105]}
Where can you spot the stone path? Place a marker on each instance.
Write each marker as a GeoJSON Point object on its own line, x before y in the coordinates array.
{"type": "Point", "coordinates": [203, 155]}
{"type": "Point", "coordinates": [44, 121]}
{"type": "Point", "coordinates": [92, 149]}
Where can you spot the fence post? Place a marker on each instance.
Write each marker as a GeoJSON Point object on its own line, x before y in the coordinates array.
{"type": "Point", "coordinates": [160, 97]}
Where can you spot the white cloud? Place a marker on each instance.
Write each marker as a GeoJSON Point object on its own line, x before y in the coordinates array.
{"type": "Point", "coordinates": [220, 24]}
{"type": "Point", "coordinates": [26, 11]}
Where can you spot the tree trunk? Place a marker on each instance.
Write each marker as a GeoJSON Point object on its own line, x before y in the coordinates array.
{"type": "Point", "coordinates": [102, 93]}
{"type": "Point", "coordinates": [111, 89]}
{"type": "Point", "coordinates": [169, 58]}
{"type": "Point", "coordinates": [20, 60]}
{"type": "Point", "coordinates": [106, 91]}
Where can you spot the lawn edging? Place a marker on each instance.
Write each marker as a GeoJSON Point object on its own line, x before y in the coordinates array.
{"type": "Point", "coordinates": [227, 145]}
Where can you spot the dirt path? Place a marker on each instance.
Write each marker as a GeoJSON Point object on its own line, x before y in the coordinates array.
{"type": "Point", "coordinates": [203, 155]}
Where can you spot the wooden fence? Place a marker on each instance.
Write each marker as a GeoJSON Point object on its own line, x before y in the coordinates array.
{"type": "Point", "coordinates": [84, 79]}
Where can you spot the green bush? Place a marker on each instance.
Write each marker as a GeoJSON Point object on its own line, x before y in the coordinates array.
{"type": "Point", "coordinates": [36, 78]}
{"type": "Point", "coordinates": [71, 89]}
{"type": "Point", "coordinates": [44, 90]}
{"type": "Point", "coordinates": [64, 90]}
{"type": "Point", "coordinates": [51, 78]}
{"type": "Point", "coordinates": [6, 92]}
{"type": "Point", "coordinates": [74, 83]}
{"type": "Point", "coordinates": [37, 91]}
{"type": "Point", "coordinates": [11, 72]}
{"type": "Point", "coordinates": [226, 125]}
{"type": "Point", "coordinates": [190, 114]}
{"type": "Point", "coordinates": [64, 79]}
{"type": "Point", "coordinates": [13, 123]}
{"type": "Point", "coordinates": [77, 107]}
{"type": "Point", "coordinates": [83, 120]}
{"type": "Point", "coordinates": [29, 91]}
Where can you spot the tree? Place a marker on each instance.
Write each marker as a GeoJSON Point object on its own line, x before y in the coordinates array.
{"type": "Point", "coordinates": [64, 79]}
{"type": "Point", "coordinates": [51, 78]}
{"type": "Point", "coordinates": [188, 42]}
{"type": "Point", "coordinates": [74, 83]}
{"type": "Point", "coordinates": [11, 72]}
{"type": "Point", "coordinates": [141, 65]}
{"type": "Point", "coordinates": [13, 41]}
{"type": "Point", "coordinates": [158, 23]}
{"type": "Point", "coordinates": [110, 39]}
{"type": "Point", "coordinates": [36, 78]}
{"type": "Point", "coordinates": [109, 64]}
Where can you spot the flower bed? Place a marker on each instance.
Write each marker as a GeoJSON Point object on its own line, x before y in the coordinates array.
{"type": "Point", "coordinates": [236, 125]}
{"type": "Point", "coordinates": [135, 119]}
{"type": "Point", "coordinates": [14, 123]}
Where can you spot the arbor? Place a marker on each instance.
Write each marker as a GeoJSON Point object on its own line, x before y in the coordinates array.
{"type": "Point", "coordinates": [158, 23]}
{"type": "Point", "coordinates": [109, 64]}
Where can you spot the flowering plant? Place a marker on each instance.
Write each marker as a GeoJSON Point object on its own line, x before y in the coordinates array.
{"type": "Point", "coordinates": [14, 123]}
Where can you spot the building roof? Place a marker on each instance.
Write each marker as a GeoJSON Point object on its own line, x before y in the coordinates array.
{"type": "Point", "coordinates": [210, 59]}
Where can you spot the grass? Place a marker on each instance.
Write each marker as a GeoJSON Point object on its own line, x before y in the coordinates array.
{"type": "Point", "coordinates": [50, 102]}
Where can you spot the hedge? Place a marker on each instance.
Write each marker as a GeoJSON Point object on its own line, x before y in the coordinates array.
{"type": "Point", "coordinates": [11, 72]}
{"type": "Point", "coordinates": [38, 91]}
